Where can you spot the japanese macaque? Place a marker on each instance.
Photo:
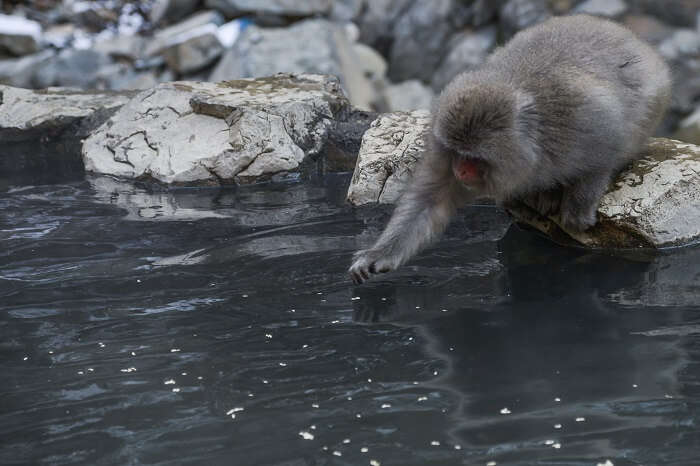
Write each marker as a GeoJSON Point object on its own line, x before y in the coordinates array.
{"type": "Point", "coordinates": [549, 119]}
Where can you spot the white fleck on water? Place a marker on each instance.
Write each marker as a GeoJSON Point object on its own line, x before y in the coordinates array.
{"type": "Point", "coordinates": [169, 382]}
{"type": "Point", "coordinates": [374, 463]}
{"type": "Point", "coordinates": [557, 446]}
{"type": "Point", "coordinates": [386, 405]}
{"type": "Point", "coordinates": [549, 442]}
{"type": "Point", "coordinates": [174, 350]}
{"type": "Point", "coordinates": [306, 435]}
{"type": "Point", "coordinates": [347, 440]}
{"type": "Point", "coordinates": [435, 443]}
{"type": "Point", "coordinates": [505, 411]}
{"type": "Point", "coordinates": [580, 419]}
{"type": "Point", "coordinates": [422, 398]}
{"type": "Point", "coordinates": [314, 405]}
{"type": "Point", "coordinates": [607, 463]}
{"type": "Point", "coordinates": [337, 453]}
{"type": "Point", "coordinates": [557, 426]}
{"type": "Point", "coordinates": [176, 389]}
{"type": "Point", "coordinates": [458, 447]}
{"type": "Point", "coordinates": [364, 449]}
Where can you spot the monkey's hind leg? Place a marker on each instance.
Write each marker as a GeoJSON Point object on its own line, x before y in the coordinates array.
{"type": "Point", "coordinates": [546, 202]}
{"type": "Point", "coordinates": [580, 201]}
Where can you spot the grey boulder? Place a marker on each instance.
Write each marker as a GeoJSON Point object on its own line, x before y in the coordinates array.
{"type": "Point", "coordinates": [171, 10]}
{"type": "Point", "coordinates": [72, 68]}
{"type": "Point", "coordinates": [407, 96]}
{"type": "Point", "coordinates": [310, 46]}
{"type": "Point", "coordinates": [390, 149]}
{"type": "Point", "coordinates": [467, 50]}
{"type": "Point", "coordinates": [516, 15]}
{"type": "Point", "coordinates": [217, 133]}
{"type": "Point", "coordinates": [22, 71]}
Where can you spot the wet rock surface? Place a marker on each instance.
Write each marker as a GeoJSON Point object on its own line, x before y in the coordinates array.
{"type": "Point", "coordinates": [42, 131]}
{"type": "Point", "coordinates": [207, 133]}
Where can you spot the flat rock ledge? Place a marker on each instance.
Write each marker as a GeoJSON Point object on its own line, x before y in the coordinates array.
{"type": "Point", "coordinates": [230, 132]}
{"type": "Point", "coordinates": [29, 115]}
{"type": "Point", "coordinates": [655, 203]}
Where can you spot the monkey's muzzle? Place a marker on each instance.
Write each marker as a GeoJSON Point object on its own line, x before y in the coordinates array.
{"type": "Point", "coordinates": [468, 171]}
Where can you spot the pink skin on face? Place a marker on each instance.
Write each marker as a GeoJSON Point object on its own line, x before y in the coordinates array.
{"type": "Point", "coordinates": [467, 171]}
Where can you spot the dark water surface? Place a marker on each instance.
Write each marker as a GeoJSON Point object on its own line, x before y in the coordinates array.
{"type": "Point", "coordinates": [218, 327]}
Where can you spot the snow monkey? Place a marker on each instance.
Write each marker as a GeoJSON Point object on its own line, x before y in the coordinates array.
{"type": "Point", "coordinates": [549, 119]}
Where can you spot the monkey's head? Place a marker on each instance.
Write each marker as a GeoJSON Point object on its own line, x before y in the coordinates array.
{"type": "Point", "coordinates": [481, 126]}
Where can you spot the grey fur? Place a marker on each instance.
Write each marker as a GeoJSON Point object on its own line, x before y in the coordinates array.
{"type": "Point", "coordinates": [550, 118]}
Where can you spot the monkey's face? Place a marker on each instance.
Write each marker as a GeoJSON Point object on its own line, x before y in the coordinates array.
{"type": "Point", "coordinates": [490, 165]}
{"type": "Point", "coordinates": [476, 129]}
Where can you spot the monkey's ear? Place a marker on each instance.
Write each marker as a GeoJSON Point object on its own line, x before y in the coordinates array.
{"type": "Point", "coordinates": [526, 121]}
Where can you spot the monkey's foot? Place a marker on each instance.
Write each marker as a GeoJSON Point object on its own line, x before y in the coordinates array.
{"type": "Point", "coordinates": [370, 262]}
{"type": "Point", "coordinates": [548, 202]}
{"type": "Point", "coordinates": [577, 221]}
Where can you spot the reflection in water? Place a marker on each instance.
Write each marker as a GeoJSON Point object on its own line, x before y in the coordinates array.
{"type": "Point", "coordinates": [218, 326]}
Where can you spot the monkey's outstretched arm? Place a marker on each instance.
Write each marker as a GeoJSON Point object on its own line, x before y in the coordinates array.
{"type": "Point", "coordinates": [421, 215]}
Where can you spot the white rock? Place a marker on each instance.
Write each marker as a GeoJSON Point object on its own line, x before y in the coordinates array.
{"type": "Point", "coordinates": [238, 131]}
{"type": "Point", "coordinates": [27, 114]}
{"type": "Point", "coordinates": [390, 148]}
{"type": "Point", "coordinates": [18, 35]}
{"type": "Point", "coordinates": [182, 31]}
{"type": "Point", "coordinates": [193, 50]}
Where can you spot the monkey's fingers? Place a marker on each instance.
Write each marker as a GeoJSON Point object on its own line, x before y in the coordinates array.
{"type": "Point", "coordinates": [359, 273]}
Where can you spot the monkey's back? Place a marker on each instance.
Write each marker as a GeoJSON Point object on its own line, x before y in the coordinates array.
{"type": "Point", "coordinates": [596, 85]}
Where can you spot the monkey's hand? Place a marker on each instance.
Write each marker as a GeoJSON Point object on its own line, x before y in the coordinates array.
{"type": "Point", "coordinates": [369, 262]}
